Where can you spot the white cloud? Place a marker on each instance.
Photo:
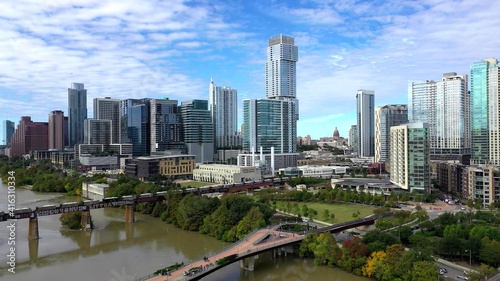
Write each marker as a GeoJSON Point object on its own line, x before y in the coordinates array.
{"type": "Point", "coordinates": [172, 48]}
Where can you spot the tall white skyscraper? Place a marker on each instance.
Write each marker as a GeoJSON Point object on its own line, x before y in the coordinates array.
{"type": "Point", "coordinates": [444, 106]}
{"type": "Point", "coordinates": [224, 111]}
{"type": "Point", "coordinates": [453, 115]}
{"type": "Point", "coordinates": [272, 122]}
{"type": "Point", "coordinates": [282, 57]}
{"type": "Point", "coordinates": [109, 109]}
{"type": "Point", "coordinates": [281, 74]}
{"type": "Point", "coordinates": [366, 123]}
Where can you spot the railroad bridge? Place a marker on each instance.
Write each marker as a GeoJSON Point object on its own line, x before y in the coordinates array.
{"type": "Point", "coordinates": [128, 201]}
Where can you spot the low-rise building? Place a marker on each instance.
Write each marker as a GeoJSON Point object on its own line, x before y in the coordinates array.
{"type": "Point", "coordinates": [280, 160]}
{"type": "Point", "coordinates": [177, 166]}
{"type": "Point", "coordinates": [314, 171]}
{"type": "Point", "coordinates": [143, 167]}
{"type": "Point", "coordinates": [94, 191]}
{"type": "Point", "coordinates": [322, 171]}
{"type": "Point", "coordinates": [99, 162]}
{"type": "Point", "coordinates": [484, 184]}
{"type": "Point", "coordinates": [225, 174]}
{"type": "Point", "coordinates": [167, 164]}
{"type": "Point", "coordinates": [61, 157]}
{"type": "Point", "coordinates": [55, 156]}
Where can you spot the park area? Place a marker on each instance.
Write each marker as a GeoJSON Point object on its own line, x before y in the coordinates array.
{"type": "Point", "coordinates": [331, 213]}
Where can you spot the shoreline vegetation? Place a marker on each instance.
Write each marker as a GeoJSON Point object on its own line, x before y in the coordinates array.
{"type": "Point", "coordinates": [379, 254]}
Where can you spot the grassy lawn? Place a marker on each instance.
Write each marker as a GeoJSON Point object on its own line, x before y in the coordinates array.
{"type": "Point", "coordinates": [343, 212]}
{"type": "Point", "coordinates": [185, 184]}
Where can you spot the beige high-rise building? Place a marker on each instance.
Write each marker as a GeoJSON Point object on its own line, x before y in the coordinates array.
{"type": "Point", "coordinates": [410, 160]}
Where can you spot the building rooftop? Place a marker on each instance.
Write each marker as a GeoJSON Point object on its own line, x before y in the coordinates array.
{"type": "Point", "coordinates": [159, 157]}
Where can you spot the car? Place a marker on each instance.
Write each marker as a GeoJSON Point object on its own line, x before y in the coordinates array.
{"type": "Point", "coordinates": [415, 227]}
{"type": "Point", "coordinates": [462, 277]}
{"type": "Point", "coordinates": [462, 208]}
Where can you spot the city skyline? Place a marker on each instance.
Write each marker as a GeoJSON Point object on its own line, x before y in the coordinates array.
{"type": "Point", "coordinates": [155, 50]}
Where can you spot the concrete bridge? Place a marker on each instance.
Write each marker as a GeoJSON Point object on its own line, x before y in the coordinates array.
{"type": "Point", "coordinates": [128, 201]}
{"type": "Point", "coordinates": [247, 250]}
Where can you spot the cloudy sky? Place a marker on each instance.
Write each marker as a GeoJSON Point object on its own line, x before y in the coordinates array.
{"type": "Point", "coordinates": [171, 48]}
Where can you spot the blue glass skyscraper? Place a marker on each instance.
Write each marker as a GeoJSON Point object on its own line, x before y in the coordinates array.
{"type": "Point", "coordinates": [77, 112]}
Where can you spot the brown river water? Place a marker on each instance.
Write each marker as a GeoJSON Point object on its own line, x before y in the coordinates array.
{"type": "Point", "coordinates": [119, 251]}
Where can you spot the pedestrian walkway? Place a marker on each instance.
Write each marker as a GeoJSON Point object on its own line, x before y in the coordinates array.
{"type": "Point", "coordinates": [249, 245]}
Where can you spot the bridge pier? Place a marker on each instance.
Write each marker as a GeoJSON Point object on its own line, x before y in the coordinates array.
{"type": "Point", "coordinates": [33, 228]}
{"type": "Point", "coordinates": [33, 249]}
{"type": "Point", "coordinates": [129, 213]}
{"type": "Point", "coordinates": [251, 263]}
{"type": "Point", "coordinates": [277, 252]}
{"type": "Point", "coordinates": [86, 221]}
{"type": "Point", "coordinates": [129, 231]}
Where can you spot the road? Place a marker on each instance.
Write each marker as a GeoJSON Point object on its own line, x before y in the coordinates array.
{"type": "Point", "coordinates": [495, 278]}
{"type": "Point", "coordinates": [452, 272]}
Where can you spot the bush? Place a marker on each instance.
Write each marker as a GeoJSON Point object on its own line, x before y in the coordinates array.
{"type": "Point", "coordinates": [71, 220]}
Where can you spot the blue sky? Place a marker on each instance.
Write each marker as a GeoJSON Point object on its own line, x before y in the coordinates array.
{"type": "Point", "coordinates": [147, 48]}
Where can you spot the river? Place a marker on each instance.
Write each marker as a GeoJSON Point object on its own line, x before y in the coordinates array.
{"type": "Point", "coordinates": [119, 251]}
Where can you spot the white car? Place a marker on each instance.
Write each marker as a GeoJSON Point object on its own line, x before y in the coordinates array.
{"type": "Point", "coordinates": [462, 277]}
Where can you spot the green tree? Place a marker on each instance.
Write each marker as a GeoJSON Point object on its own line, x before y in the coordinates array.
{"type": "Point", "coordinates": [326, 214]}
{"type": "Point", "coordinates": [452, 242]}
{"type": "Point", "coordinates": [252, 220]}
{"type": "Point", "coordinates": [490, 251]}
{"type": "Point", "coordinates": [391, 268]}
{"type": "Point", "coordinates": [420, 242]}
{"type": "Point", "coordinates": [71, 220]}
{"type": "Point", "coordinates": [325, 249]}
{"type": "Point", "coordinates": [193, 209]}
{"type": "Point", "coordinates": [485, 271]}
{"type": "Point", "coordinates": [424, 271]}
{"type": "Point", "coordinates": [222, 223]}
{"type": "Point", "coordinates": [332, 217]}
